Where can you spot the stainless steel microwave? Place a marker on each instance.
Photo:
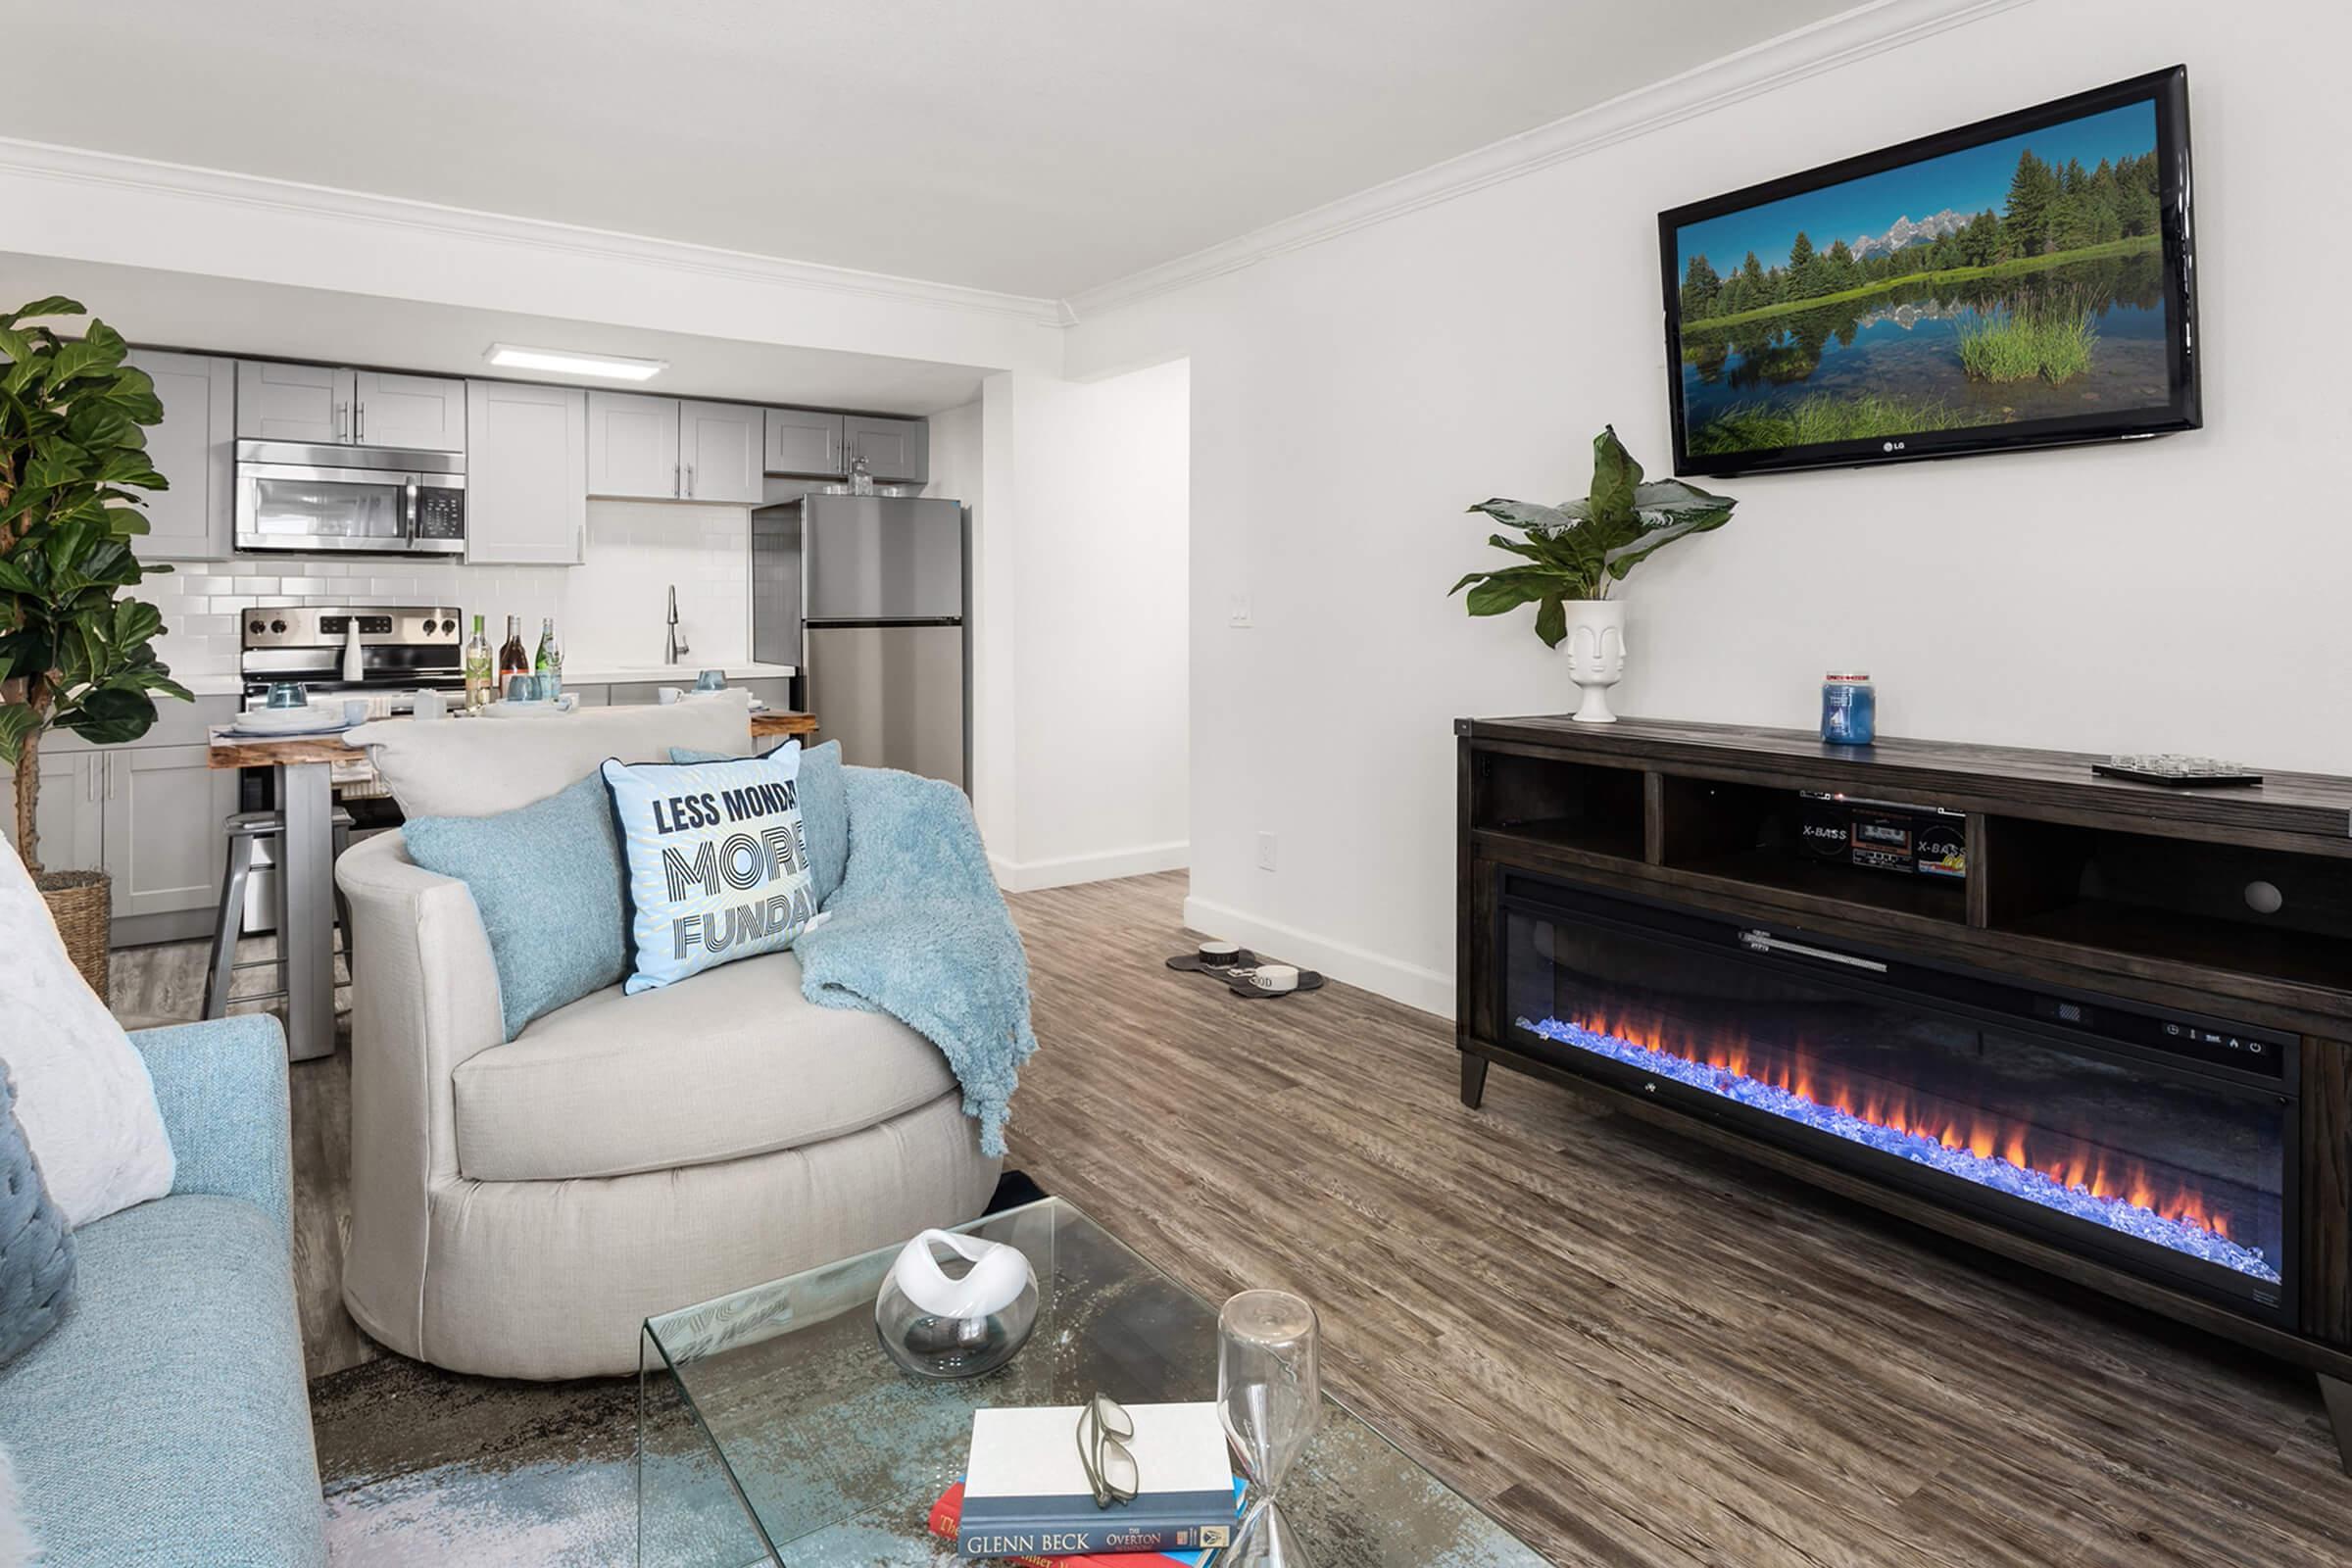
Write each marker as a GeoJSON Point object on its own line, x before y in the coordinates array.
{"type": "Point", "coordinates": [295, 497]}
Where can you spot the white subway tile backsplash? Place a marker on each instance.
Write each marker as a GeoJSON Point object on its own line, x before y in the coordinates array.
{"type": "Point", "coordinates": [610, 608]}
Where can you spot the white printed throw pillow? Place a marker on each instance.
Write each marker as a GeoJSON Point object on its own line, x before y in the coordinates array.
{"type": "Point", "coordinates": [83, 1097]}
{"type": "Point", "coordinates": [718, 863]}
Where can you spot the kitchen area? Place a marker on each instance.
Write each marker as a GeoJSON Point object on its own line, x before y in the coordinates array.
{"type": "Point", "coordinates": [336, 531]}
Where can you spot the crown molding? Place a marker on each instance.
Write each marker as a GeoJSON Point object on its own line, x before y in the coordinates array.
{"type": "Point", "coordinates": [80, 166]}
{"type": "Point", "coordinates": [1825, 45]}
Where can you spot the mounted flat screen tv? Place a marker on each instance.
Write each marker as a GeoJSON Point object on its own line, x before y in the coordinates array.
{"type": "Point", "coordinates": [2023, 281]}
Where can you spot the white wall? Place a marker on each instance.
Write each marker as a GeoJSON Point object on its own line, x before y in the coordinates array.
{"type": "Point", "coordinates": [1351, 397]}
{"type": "Point", "coordinates": [1082, 580]}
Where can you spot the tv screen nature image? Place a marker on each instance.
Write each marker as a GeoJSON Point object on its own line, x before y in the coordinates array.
{"type": "Point", "coordinates": [2018, 279]}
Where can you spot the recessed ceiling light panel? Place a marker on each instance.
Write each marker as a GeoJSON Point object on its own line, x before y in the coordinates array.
{"type": "Point", "coordinates": [563, 362]}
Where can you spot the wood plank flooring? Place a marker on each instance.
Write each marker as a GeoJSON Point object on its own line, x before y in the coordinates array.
{"type": "Point", "coordinates": [1638, 1352]}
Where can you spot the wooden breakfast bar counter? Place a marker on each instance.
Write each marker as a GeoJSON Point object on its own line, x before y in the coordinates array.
{"type": "Point", "coordinates": [305, 795]}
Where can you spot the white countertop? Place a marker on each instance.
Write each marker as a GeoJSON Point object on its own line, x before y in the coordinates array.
{"type": "Point", "coordinates": [587, 672]}
{"type": "Point", "coordinates": [582, 673]}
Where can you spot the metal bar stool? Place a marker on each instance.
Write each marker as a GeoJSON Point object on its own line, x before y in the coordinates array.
{"type": "Point", "coordinates": [246, 829]}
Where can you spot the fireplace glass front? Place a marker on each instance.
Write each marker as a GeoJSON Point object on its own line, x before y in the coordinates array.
{"type": "Point", "coordinates": [2156, 1141]}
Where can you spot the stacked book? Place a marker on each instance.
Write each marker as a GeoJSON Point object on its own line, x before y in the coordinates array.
{"type": "Point", "coordinates": [1025, 1497]}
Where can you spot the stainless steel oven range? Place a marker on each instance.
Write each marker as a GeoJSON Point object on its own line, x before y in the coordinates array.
{"type": "Point", "coordinates": [404, 649]}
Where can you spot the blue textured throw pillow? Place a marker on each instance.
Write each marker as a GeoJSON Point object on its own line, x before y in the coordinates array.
{"type": "Point", "coordinates": [718, 863]}
{"type": "Point", "coordinates": [547, 878]}
{"type": "Point", "coordinates": [36, 1250]}
{"type": "Point", "coordinates": [825, 809]}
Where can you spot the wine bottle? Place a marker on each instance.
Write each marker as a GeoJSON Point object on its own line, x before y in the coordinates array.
{"type": "Point", "coordinates": [549, 662]}
{"type": "Point", "coordinates": [511, 660]}
{"type": "Point", "coordinates": [479, 689]}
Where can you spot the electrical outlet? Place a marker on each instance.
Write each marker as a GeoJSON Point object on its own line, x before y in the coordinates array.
{"type": "Point", "coordinates": [1237, 613]}
{"type": "Point", "coordinates": [1265, 852]}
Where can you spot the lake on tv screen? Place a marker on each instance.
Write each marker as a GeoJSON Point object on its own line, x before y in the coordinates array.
{"type": "Point", "coordinates": [2021, 279]}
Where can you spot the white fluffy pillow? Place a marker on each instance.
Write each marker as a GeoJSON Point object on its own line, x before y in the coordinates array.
{"type": "Point", "coordinates": [82, 1093]}
{"type": "Point", "coordinates": [17, 1548]}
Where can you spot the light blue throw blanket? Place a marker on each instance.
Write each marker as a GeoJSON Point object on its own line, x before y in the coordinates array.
{"type": "Point", "coordinates": [919, 931]}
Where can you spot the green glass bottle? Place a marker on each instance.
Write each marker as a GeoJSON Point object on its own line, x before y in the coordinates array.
{"type": "Point", "coordinates": [548, 664]}
{"type": "Point", "coordinates": [477, 670]}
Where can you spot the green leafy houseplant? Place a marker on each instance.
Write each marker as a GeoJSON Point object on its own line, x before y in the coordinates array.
{"type": "Point", "coordinates": [72, 450]}
{"type": "Point", "coordinates": [1579, 549]}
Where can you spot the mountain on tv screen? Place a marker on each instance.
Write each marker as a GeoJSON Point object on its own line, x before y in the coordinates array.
{"type": "Point", "coordinates": [2023, 282]}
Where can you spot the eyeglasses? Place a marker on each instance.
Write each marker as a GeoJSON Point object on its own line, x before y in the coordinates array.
{"type": "Point", "coordinates": [1104, 1429]}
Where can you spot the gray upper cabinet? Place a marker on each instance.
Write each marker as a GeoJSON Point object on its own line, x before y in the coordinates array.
{"type": "Point", "coordinates": [633, 447]}
{"type": "Point", "coordinates": [803, 441]}
{"type": "Point", "coordinates": [307, 403]}
{"type": "Point", "coordinates": [423, 412]}
{"type": "Point", "coordinates": [896, 451]}
{"type": "Point", "coordinates": [194, 450]}
{"type": "Point", "coordinates": [526, 475]}
{"type": "Point", "coordinates": [325, 406]}
{"type": "Point", "coordinates": [719, 445]}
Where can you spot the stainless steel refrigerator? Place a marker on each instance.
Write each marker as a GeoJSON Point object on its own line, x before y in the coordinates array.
{"type": "Point", "coordinates": [866, 595]}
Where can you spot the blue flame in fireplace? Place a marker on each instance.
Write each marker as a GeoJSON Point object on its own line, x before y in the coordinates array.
{"type": "Point", "coordinates": [2116, 1213]}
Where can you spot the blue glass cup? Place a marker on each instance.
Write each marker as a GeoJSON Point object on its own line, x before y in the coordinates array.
{"type": "Point", "coordinates": [522, 688]}
{"type": "Point", "coordinates": [1849, 708]}
{"type": "Point", "coordinates": [288, 694]}
{"type": "Point", "coordinates": [710, 680]}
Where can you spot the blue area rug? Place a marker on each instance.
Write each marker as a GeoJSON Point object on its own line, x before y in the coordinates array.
{"type": "Point", "coordinates": [422, 1466]}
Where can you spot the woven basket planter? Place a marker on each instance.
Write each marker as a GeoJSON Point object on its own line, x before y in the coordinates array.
{"type": "Point", "coordinates": [81, 905]}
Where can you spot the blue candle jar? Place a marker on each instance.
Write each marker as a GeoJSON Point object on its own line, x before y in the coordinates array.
{"type": "Point", "coordinates": [1849, 708]}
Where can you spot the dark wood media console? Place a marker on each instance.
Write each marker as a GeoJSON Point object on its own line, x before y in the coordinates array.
{"type": "Point", "coordinates": [2165, 911]}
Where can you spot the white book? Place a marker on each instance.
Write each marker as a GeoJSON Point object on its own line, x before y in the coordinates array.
{"type": "Point", "coordinates": [1025, 1489]}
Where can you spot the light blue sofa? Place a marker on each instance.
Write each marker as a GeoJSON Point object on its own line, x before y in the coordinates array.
{"type": "Point", "coordinates": [164, 1423]}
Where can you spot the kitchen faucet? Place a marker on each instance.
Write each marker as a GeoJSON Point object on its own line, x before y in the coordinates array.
{"type": "Point", "coordinates": [674, 646]}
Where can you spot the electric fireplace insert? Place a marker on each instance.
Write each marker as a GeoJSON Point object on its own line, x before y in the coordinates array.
{"type": "Point", "coordinates": [2163, 1142]}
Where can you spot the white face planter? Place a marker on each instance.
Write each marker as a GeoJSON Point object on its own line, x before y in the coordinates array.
{"type": "Point", "coordinates": [941, 1325]}
{"type": "Point", "coordinates": [1595, 649]}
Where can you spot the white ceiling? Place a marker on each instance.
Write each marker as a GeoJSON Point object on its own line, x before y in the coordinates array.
{"type": "Point", "coordinates": [1040, 147]}
{"type": "Point", "coordinates": [231, 316]}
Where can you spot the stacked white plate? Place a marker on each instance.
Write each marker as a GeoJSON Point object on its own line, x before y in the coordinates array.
{"type": "Point", "coordinates": [286, 721]}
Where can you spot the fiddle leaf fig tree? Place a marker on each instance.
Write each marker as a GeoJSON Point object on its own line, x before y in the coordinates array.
{"type": "Point", "coordinates": [1579, 549]}
{"type": "Point", "coordinates": [74, 654]}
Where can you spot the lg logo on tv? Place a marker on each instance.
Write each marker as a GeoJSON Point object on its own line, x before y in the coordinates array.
{"type": "Point", "coordinates": [1892, 446]}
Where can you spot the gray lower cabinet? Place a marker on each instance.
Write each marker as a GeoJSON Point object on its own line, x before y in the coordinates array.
{"type": "Point", "coordinates": [150, 816]}
{"type": "Point", "coordinates": [163, 838]}
{"type": "Point", "coordinates": [70, 819]}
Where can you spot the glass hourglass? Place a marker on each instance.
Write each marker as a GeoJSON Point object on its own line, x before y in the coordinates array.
{"type": "Point", "coordinates": [1270, 1398]}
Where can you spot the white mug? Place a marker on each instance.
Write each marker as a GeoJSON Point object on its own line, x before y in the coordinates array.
{"type": "Point", "coordinates": [667, 694]}
{"type": "Point", "coordinates": [431, 704]}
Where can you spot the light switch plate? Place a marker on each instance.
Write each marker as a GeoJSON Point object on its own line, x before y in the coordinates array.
{"type": "Point", "coordinates": [1238, 612]}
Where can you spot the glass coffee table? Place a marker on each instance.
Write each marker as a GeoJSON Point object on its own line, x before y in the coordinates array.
{"type": "Point", "coordinates": [772, 1428]}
